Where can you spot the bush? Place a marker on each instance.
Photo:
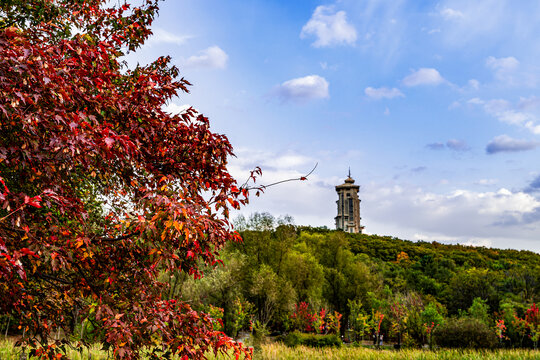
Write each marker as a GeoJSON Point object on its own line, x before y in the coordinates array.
{"type": "Point", "coordinates": [465, 333]}
{"type": "Point", "coordinates": [296, 338]}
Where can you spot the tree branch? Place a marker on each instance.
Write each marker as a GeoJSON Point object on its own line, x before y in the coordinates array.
{"type": "Point", "coordinates": [301, 178]}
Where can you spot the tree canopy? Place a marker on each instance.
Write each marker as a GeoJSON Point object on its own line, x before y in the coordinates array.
{"type": "Point", "coordinates": [101, 189]}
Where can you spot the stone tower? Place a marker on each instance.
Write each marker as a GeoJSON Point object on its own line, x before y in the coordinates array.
{"type": "Point", "coordinates": [348, 207]}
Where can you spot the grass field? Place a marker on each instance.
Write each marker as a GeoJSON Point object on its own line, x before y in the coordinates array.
{"type": "Point", "coordinates": [8, 351]}
{"type": "Point", "coordinates": [276, 351]}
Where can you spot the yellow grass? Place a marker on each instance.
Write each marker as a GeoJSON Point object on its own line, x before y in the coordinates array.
{"type": "Point", "coordinates": [277, 351]}
{"type": "Point", "coordinates": [8, 351]}
{"type": "Point", "coordinates": [281, 352]}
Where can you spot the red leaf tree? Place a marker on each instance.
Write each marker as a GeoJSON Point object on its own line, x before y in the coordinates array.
{"type": "Point", "coordinates": [532, 319]}
{"type": "Point", "coordinates": [100, 188]}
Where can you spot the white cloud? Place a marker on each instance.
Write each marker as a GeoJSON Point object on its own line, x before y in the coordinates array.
{"type": "Point", "coordinates": [506, 64]}
{"type": "Point", "coordinates": [451, 14]}
{"type": "Point", "coordinates": [466, 21]}
{"type": "Point", "coordinates": [475, 101]}
{"type": "Point", "coordinates": [524, 114]}
{"type": "Point", "coordinates": [488, 218]}
{"type": "Point", "coordinates": [423, 76]}
{"type": "Point", "coordinates": [285, 161]}
{"type": "Point", "coordinates": [452, 144]}
{"type": "Point", "coordinates": [325, 66]}
{"type": "Point", "coordinates": [304, 88]}
{"type": "Point", "coordinates": [453, 240]}
{"type": "Point", "coordinates": [176, 109]}
{"type": "Point", "coordinates": [212, 57]}
{"type": "Point", "coordinates": [504, 111]}
{"type": "Point", "coordinates": [486, 182]}
{"type": "Point", "coordinates": [504, 69]}
{"type": "Point", "coordinates": [386, 111]}
{"type": "Point", "coordinates": [531, 103]}
{"type": "Point", "coordinates": [383, 92]}
{"type": "Point", "coordinates": [472, 86]}
{"type": "Point", "coordinates": [162, 36]}
{"type": "Point", "coordinates": [505, 143]}
{"type": "Point", "coordinates": [289, 161]}
{"type": "Point", "coordinates": [330, 27]}
{"type": "Point", "coordinates": [457, 145]}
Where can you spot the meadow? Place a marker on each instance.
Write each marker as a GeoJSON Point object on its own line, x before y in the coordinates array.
{"type": "Point", "coordinates": [277, 351]}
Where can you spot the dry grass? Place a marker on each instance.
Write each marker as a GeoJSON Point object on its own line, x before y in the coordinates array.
{"type": "Point", "coordinates": [281, 352]}
{"type": "Point", "coordinates": [8, 351]}
{"type": "Point", "coordinates": [276, 351]}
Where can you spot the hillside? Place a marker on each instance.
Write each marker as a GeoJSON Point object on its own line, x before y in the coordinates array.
{"type": "Point", "coordinates": [276, 268]}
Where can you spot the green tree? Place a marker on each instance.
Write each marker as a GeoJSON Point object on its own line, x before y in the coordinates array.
{"type": "Point", "coordinates": [414, 323]}
{"type": "Point", "coordinates": [525, 281]}
{"type": "Point", "coordinates": [358, 319]}
{"type": "Point", "coordinates": [273, 296]}
{"type": "Point", "coordinates": [479, 310]}
{"type": "Point", "coordinates": [362, 277]}
{"type": "Point", "coordinates": [398, 316]}
{"type": "Point", "coordinates": [221, 286]}
{"type": "Point", "coordinates": [509, 313]}
{"type": "Point", "coordinates": [306, 276]}
{"type": "Point", "coordinates": [467, 285]}
{"type": "Point", "coordinates": [431, 317]}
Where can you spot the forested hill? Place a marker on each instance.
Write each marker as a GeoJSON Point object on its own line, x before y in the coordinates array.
{"type": "Point", "coordinates": [453, 274]}
{"type": "Point", "coordinates": [387, 248]}
{"type": "Point", "coordinates": [279, 266]}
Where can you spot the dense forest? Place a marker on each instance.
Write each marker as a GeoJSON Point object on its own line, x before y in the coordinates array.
{"type": "Point", "coordinates": [283, 277]}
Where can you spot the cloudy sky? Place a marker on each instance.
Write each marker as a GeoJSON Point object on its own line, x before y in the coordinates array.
{"type": "Point", "coordinates": [435, 106]}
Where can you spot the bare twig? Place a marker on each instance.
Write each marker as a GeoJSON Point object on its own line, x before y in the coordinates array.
{"type": "Point", "coordinates": [251, 176]}
{"type": "Point", "coordinates": [301, 178]}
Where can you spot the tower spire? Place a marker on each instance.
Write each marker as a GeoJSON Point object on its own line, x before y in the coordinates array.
{"type": "Point", "coordinates": [348, 206]}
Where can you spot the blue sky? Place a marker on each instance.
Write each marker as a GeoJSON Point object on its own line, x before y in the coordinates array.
{"type": "Point", "coordinates": [435, 106]}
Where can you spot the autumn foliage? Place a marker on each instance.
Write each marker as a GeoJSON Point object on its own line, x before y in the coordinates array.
{"type": "Point", "coordinates": [100, 188]}
{"type": "Point", "coordinates": [532, 319]}
{"type": "Point", "coordinates": [309, 321]}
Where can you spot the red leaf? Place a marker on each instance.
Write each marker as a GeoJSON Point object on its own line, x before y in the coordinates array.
{"type": "Point", "coordinates": [33, 201]}
{"type": "Point", "coordinates": [29, 252]}
{"type": "Point", "coordinates": [109, 142]}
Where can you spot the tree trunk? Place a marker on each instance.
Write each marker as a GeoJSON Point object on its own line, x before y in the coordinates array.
{"type": "Point", "coordinates": [7, 327]}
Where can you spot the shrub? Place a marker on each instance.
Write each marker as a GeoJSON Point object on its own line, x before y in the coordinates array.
{"type": "Point", "coordinates": [303, 318]}
{"type": "Point", "coordinates": [296, 338]}
{"type": "Point", "coordinates": [308, 320]}
{"type": "Point", "coordinates": [216, 313]}
{"type": "Point", "coordinates": [465, 333]}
